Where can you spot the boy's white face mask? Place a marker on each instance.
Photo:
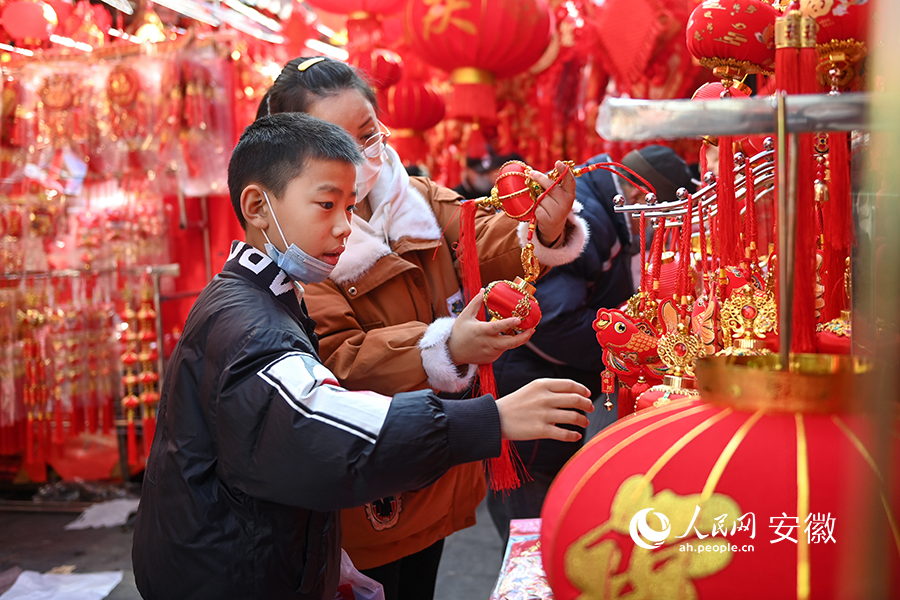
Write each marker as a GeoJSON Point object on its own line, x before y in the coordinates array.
{"type": "Point", "coordinates": [298, 265]}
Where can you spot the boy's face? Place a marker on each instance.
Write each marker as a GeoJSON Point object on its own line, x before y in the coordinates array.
{"type": "Point", "coordinates": [314, 212]}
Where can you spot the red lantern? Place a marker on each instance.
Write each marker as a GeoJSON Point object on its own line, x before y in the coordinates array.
{"type": "Point", "coordinates": [477, 42]}
{"type": "Point", "coordinates": [733, 38]}
{"type": "Point", "coordinates": [383, 67]}
{"type": "Point", "coordinates": [750, 145]}
{"type": "Point", "coordinates": [409, 108]}
{"type": "Point", "coordinates": [709, 500]}
{"type": "Point", "coordinates": [504, 299]}
{"type": "Point", "coordinates": [29, 21]}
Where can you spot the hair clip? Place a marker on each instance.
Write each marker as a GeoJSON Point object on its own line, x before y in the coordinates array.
{"type": "Point", "coordinates": [309, 62]}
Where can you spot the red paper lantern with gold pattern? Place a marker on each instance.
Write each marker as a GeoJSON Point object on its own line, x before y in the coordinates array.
{"type": "Point", "coordinates": [477, 42]}
{"type": "Point", "coordinates": [733, 36]}
{"type": "Point", "coordinates": [29, 21]}
{"type": "Point", "coordinates": [733, 496]}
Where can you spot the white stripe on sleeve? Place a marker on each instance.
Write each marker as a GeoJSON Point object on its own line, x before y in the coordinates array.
{"type": "Point", "coordinates": [312, 390]}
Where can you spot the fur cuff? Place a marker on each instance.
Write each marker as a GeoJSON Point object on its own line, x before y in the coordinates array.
{"type": "Point", "coordinates": [442, 373]}
{"type": "Point", "coordinates": [575, 235]}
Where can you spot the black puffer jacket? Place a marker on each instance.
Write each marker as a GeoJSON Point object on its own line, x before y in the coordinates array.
{"type": "Point", "coordinates": [257, 448]}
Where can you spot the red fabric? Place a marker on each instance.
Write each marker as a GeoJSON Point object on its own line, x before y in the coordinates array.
{"type": "Point", "coordinates": [627, 56]}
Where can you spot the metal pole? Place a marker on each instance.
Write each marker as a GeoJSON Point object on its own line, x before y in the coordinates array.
{"type": "Point", "coordinates": [785, 289]}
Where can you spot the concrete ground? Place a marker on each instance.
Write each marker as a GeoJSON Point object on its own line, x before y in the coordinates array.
{"type": "Point", "coordinates": [37, 542]}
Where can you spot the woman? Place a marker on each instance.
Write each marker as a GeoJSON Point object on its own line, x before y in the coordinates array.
{"type": "Point", "coordinates": [391, 317]}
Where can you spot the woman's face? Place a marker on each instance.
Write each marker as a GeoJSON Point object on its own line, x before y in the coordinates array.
{"type": "Point", "coordinates": [351, 110]}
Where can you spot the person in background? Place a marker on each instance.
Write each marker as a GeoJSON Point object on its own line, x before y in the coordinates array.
{"type": "Point", "coordinates": [387, 314]}
{"type": "Point", "coordinates": [481, 172]}
{"type": "Point", "coordinates": [564, 343]}
{"type": "Point", "coordinates": [257, 446]}
{"type": "Point", "coordinates": [665, 171]}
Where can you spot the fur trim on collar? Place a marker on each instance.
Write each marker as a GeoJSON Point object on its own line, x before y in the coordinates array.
{"type": "Point", "coordinates": [412, 217]}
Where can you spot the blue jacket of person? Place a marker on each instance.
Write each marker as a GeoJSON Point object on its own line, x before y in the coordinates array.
{"type": "Point", "coordinates": [564, 343]}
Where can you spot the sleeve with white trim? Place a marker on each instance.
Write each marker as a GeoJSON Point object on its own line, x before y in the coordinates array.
{"type": "Point", "coordinates": [442, 373]}
{"type": "Point", "coordinates": [288, 433]}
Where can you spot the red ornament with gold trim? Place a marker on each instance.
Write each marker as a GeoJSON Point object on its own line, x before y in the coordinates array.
{"type": "Point", "coordinates": [794, 476]}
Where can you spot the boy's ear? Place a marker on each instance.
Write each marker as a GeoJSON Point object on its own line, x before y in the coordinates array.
{"type": "Point", "coordinates": [254, 207]}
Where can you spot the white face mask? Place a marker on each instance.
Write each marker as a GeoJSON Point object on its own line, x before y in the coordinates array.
{"type": "Point", "coordinates": [298, 265]}
{"type": "Point", "coordinates": [366, 175]}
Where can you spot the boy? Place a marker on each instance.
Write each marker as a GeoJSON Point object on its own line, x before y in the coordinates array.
{"type": "Point", "coordinates": [257, 446]}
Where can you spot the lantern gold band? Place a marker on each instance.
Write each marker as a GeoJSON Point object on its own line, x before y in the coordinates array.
{"type": "Point", "coordinates": [360, 15]}
{"type": "Point", "coordinates": [471, 75]}
{"type": "Point", "coordinates": [406, 132]}
{"type": "Point", "coordinates": [815, 383]}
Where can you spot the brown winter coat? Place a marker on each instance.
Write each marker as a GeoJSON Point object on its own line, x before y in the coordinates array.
{"type": "Point", "coordinates": [370, 317]}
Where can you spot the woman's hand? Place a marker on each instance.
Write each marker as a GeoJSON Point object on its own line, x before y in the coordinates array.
{"type": "Point", "coordinates": [553, 210]}
{"type": "Point", "coordinates": [477, 342]}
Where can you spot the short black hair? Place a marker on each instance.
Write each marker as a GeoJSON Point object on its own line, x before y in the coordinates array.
{"type": "Point", "coordinates": [296, 91]}
{"type": "Point", "coordinates": [275, 149]}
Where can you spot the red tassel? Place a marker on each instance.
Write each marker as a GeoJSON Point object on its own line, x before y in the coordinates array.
{"type": "Point", "coordinates": [92, 411]}
{"type": "Point", "coordinates": [804, 308]}
{"type": "Point", "coordinates": [109, 415]}
{"type": "Point", "coordinates": [149, 432]}
{"type": "Point", "coordinates": [502, 470]}
{"type": "Point", "coordinates": [59, 437]}
{"type": "Point", "coordinates": [132, 444]}
{"type": "Point", "coordinates": [728, 215]}
{"type": "Point", "coordinates": [467, 251]}
{"type": "Point", "coordinates": [625, 401]}
{"type": "Point", "coordinates": [838, 231]}
{"type": "Point", "coordinates": [29, 440]}
{"type": "Point", "coordinates": [78, 418]}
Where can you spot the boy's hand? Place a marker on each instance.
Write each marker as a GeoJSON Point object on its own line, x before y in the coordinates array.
{"type": "Point", "coordinates": [474, 342]}
{"type": "Point", "coordinates": [553, 210]}
{"type": "Point", "coordinates": [532, 411]}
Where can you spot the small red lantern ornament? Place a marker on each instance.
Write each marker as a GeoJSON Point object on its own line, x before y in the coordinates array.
{"type": "Point", "coordinates": [770, 473]}
{"type": "Point", "coordinates": [453, 36]}
{"type": "Point", "coordinates": [29, 21]}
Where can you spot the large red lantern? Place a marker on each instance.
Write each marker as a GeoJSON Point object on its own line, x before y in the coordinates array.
{"type": "Point", "coordinates": [29, 21]}
{"type": "Point", "coordinates": [744, 494]}
{"type": "Point", "coordinates": [477, 42]}
{"type": "Point", "coordinates": [733, 38]}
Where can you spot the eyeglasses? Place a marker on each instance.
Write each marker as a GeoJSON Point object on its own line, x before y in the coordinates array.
{"type": "Point", "coordinates": [374, 145]}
